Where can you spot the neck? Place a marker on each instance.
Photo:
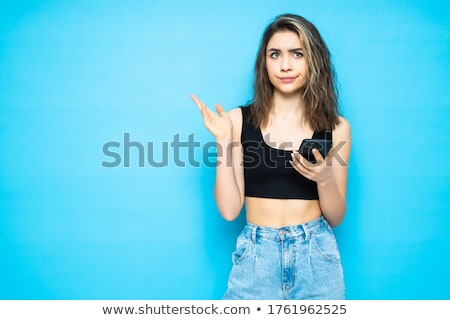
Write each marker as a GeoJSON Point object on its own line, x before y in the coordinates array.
{"type": "Point", "coordinates": [292, 104]}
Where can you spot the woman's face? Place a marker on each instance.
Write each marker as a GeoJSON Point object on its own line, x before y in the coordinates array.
{"type": "Point", "coordinates": [286, 62]}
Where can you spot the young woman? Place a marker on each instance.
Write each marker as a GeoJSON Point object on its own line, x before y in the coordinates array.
{"type": "Point", "coordinates": [287, 249]}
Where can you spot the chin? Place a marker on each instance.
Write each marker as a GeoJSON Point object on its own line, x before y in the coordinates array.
{"type": "Point", "coordinates": [293, 91]}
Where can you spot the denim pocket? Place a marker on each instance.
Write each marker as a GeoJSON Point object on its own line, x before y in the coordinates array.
{"type": "Point", "coordinates": [324, 242]}
{"type": "Point", "coordinates": [243, 245]}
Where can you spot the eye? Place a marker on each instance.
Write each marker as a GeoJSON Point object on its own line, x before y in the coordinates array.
{"type": "Point", "coordinates": [275, 55]}
{"type": "Point", "coordinates": [298, 54]}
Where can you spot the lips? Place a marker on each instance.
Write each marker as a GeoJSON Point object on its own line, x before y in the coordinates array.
{"type": "Point", "coordinates": [287, 79]}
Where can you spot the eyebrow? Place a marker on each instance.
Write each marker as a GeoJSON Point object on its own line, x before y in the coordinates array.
{"type": "Point", "coordinates": [290, 50]}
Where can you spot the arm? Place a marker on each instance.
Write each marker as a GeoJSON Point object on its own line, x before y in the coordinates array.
{"type": "Point", "coordinates": [330, 173]}
{"type": "Point", "coordinates": [229, 184]}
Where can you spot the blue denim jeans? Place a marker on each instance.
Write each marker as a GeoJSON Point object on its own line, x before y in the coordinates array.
{"type": "Point", "coordinates": [293, 262]}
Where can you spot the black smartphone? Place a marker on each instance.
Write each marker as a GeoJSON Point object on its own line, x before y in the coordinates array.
{"type": "Point", "coordinates": [307, 145]}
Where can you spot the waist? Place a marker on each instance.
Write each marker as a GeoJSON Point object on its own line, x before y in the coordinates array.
{"type": "Point", "coordinates": [280, 212]}
{"type": "Point", "coordinates": [303, 230]}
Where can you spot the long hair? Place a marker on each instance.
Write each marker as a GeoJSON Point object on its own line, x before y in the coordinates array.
{"type": "Point", "coordinates": [320, 92]}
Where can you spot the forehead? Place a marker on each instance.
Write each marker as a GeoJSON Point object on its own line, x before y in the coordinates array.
{"type": "Point", "coordinates": [284, 39]}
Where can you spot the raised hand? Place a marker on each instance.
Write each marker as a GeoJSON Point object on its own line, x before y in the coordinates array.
{"type": "Point", "coordinates": [218, 124]}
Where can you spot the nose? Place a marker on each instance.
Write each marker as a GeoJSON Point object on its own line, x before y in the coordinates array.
{"type": "Point", "coordinates": [285, 64]}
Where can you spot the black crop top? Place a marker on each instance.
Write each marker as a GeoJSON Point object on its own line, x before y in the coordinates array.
{"type": "Point", "coordinates": [267, 171]}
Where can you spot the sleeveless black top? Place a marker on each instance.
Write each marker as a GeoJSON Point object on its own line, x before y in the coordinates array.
{"type": "Point", "coordinates": [267, 171]}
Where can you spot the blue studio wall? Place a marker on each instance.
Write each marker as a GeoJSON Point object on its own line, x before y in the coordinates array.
{"type": "Point", "coordinates": [107, 174]}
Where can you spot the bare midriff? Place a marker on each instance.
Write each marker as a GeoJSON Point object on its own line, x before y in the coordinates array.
{"type": "Point", "coordinates": [276, 213]}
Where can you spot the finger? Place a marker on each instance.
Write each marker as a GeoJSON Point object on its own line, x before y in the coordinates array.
{"type": "Point", "coordinates": [302, 165]}
{"type": "Point", "coordinates": [300, 169]}
{"type": "Point", "coordinates": [296, 162]}
{"type": "Point", "coordinates": [318, 156]}
{"type": "Point", "coordinates": [199, 103]}
{"type": "Point", "coordinates": [296, 156]}
{"type": "Point", "coordinates": [204, 110]}
{"type": "Point", "coordinates": [303, 161]}
{"type": "Point", "coordinates": [220, 110]}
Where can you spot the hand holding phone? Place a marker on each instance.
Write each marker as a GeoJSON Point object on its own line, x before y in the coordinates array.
{"type": "Point", "coordinates": [307, 145]}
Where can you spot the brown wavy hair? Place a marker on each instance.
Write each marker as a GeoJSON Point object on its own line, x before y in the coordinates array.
{"type": "Point", "coordinates": [320, 92]}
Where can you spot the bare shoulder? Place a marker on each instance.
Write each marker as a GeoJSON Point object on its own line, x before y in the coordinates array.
{"type": "Point", "coordinates": [342, 141]}
{"type": "Point", "coordinates": [235, 115]}
{"type": "Point", "coordinates": [342, 130]}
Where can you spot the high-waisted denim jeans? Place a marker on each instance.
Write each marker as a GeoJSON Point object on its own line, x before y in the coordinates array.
{"type": "Point", "coordinates": [293, 262]}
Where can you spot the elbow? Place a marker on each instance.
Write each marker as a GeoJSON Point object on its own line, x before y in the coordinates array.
{"type": "Point", "coordinates": [335, 222]}
{"type": "Point", "coordinates": [230, 209]}
{"type": "Point", "coordinates": [228, 217]}
{"type": "Point", "coordinates": [229, 214]}
{"type": "Point", "coordinates": [335, 219]}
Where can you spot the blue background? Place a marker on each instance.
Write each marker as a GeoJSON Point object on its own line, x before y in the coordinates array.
{"type": "Point", "coordinates": [75, 75]}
